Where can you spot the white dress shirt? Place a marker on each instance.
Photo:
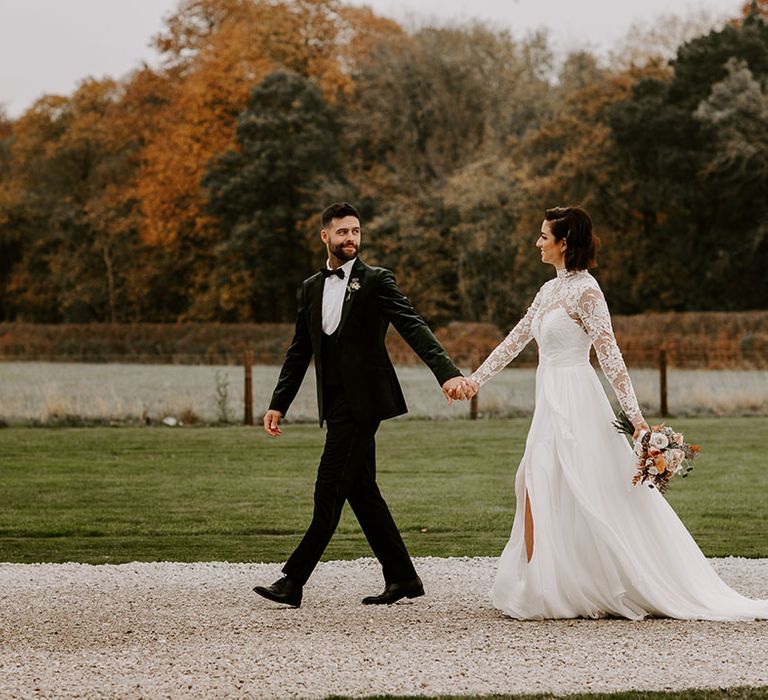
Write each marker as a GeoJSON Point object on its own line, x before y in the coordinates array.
{"type": "Point", "coordinates": [333, 297]}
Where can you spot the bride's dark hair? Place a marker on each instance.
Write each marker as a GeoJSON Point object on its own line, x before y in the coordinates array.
{"type": "Point", "coordinates": [574, 225]}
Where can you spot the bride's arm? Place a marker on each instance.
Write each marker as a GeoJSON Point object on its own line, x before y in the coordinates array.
{"type": "Point", "coordinates": [593, 312]}
{"type": "Point", "coordinates": [509, 348]}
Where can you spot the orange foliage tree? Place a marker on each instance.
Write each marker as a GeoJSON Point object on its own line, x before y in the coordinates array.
{"type": "Point", "coordinates": [217, 51]}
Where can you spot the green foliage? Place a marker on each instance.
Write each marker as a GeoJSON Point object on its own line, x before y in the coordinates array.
{"type": "Point", "coordinates": [264, 194]}
{"type": "Point", "coordinates": [687, 148]}
{"type": "Point", "coordinates": [745, 693]}
{"type": "Point", "coordinates": [429, 129]}
{"type": "Point", "coordinates": [113, 495]}
{"type": "Point", "coordinates": [146, 201]}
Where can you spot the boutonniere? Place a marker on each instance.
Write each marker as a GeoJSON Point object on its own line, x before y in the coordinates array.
{"type": "Point", "coordinates": [353, 286]}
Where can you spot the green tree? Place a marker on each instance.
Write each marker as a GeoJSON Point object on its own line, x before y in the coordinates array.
{"type": "Point", "coordinates": [735, 116]}
{"type": "Point", "coordinates": [265, 196]}
{"type": "Point", "coordinates": [681, 206]}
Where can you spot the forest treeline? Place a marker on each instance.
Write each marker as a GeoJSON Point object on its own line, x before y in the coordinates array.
{"type": "Point", "coordinates": [191, 191]}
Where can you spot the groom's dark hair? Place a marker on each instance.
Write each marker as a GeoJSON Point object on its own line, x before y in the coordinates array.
{"type": "Point", "coordinates": [574, 225]}
{"type": "Point", "coordinates": [337, 210]}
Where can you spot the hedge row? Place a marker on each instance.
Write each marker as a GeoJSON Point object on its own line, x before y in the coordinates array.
{"type": "Point", "coordinates": [713, 340]}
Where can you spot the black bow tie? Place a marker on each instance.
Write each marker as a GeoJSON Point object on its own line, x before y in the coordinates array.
{"type": "Point", "coordinates": [327, 273]}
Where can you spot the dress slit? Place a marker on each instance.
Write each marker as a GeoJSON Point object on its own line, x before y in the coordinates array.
{"type": "Point", "coordinates": [529, 531]}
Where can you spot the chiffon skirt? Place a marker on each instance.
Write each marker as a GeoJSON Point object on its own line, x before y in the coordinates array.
{"type": "Point", "coordinates": [602, 547]}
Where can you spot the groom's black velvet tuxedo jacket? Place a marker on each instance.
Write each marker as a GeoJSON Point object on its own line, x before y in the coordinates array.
{"type": "Point", "coordinates": [372, 301]}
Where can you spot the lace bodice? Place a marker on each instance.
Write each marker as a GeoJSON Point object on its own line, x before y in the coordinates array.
{"type": "Point", "coordinates": [568, 315]}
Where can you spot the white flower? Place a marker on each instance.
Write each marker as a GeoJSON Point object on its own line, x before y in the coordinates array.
{"type": "Point", "coordinates": [653, 471]}
{"type": "Point", "coordinates": [674, 458]}
{"type": "Point", "coordinates": [353, 286]}
{"type": "Point", "coordinates": [659, 441]}
{"type": "Point", "coordinates": [639, 449]}
{"type": "Point", "coordinates": [677, 438]}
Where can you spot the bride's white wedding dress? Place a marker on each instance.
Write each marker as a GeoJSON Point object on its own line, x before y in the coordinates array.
{"type": "Point", "coordinates": [601, 547]}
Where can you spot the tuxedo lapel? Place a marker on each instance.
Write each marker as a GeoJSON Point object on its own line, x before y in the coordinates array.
{"type": "Point", "coordinates": [316, 312]}
{"type": "Point", "coordinates": [356, 280]}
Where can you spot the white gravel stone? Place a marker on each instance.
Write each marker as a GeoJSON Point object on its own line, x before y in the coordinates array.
{"type": "Point", "coordinates": [151, 630]}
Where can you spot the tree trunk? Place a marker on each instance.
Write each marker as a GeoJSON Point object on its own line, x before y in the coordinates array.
{"type": "Point", "coordinates": [110, 283]}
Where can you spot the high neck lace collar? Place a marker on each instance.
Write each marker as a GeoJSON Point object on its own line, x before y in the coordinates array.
{"type": "Point", "coordinates": [563, 274]}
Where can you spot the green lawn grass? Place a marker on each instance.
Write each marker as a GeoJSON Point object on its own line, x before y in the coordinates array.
{"type": "Point", "coordinates": [196, 494]}
{"type": "Point", "coordinates": [746, 693]}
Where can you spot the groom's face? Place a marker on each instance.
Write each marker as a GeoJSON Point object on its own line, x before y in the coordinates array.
{"type": "Point", "coordinates": [342, 238]}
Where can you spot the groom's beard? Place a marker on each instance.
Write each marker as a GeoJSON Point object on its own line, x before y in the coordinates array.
{"type": "Point", "coordinates": [340, 254]}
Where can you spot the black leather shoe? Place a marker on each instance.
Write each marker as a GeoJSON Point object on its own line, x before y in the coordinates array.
{"type": "Point", "coordinates": [395, 591]}
{"type": "Point", "coordinates": [283, 591]}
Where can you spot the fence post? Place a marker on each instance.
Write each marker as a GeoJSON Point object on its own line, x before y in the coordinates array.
{"type": "Point", "coordinates": [473, 402]}
{"type": "Point", "coordinates": [248, 395]}
{"type": "Point", "coordinates": [663, 408]}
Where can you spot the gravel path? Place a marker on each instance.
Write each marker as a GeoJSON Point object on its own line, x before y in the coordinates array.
{"type": "Point", "coordinates": [198, 631]}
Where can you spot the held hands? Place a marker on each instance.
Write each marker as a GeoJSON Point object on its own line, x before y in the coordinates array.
{"type": "Point", "coordinates": [459, 388]}
{"type": "Point", "coordinates": [272, 423]}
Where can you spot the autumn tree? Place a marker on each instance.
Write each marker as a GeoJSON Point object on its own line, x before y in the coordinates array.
{"type": "Point", "coordinates": [217, 51]}
{"type": "Point", "coordinates": [427, 108]}
{"type": "Point", "coordinates": [755, 8]}
{"type": "Point", "coordinates": [177, 192]}
{"type": "Point", "coordinates": [67, 167]}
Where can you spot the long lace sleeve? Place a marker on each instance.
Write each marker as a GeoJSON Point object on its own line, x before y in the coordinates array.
{"type": "Point", "coordinates": [593, 312]}
{"type": "Point", "coordinates": [510, 347]}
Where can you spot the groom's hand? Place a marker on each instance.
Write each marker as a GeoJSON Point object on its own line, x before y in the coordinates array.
{"type": "Point", "coordinates": [454, 389]}
{"type": "Point", "coordinates": [272, 422]}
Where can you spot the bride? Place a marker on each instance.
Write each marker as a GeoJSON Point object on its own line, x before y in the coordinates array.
{"type": "Point", "coordinates": [585, 542]}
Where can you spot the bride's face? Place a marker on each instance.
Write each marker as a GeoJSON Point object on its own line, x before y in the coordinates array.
{"type": "Point", "coordinates": [552, 250]}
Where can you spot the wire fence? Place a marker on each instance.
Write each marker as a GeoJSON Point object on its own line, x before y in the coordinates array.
{"type": "Point", "coordinates": [707, 363]}
{"type": "Point", "coordinates": [72, 393]}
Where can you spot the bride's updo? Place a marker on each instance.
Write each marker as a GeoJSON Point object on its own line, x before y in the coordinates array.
{"type": "Point", "coordinates": [574, 225]}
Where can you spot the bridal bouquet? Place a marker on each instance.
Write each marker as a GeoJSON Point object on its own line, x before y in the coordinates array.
{"type": "Point", "coordinates": [661, 453]}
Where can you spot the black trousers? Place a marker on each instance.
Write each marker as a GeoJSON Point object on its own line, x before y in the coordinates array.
{"type": "Point", "coordinates": [347, 472]}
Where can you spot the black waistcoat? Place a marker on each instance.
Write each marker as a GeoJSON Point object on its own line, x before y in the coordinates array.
{"type": "Point", "coordinates": [330, 359]}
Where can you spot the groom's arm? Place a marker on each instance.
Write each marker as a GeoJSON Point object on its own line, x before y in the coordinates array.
{"type": "Point", "coordinates": [396, 308]}
{"type": "Point", "coordinates": [297, 359]}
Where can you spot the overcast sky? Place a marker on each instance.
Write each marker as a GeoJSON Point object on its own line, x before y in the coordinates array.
{"type": "Point", "coordinates": [48, 46]}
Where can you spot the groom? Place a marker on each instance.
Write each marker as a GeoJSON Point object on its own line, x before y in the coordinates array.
{"type": "Point", "coordinates": [344, 312]}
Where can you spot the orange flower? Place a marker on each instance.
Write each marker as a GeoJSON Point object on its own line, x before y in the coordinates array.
{"type": "Point", "coordinates": [695, 448]}
{"type": "Point", "coordinates": [661, 464]}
